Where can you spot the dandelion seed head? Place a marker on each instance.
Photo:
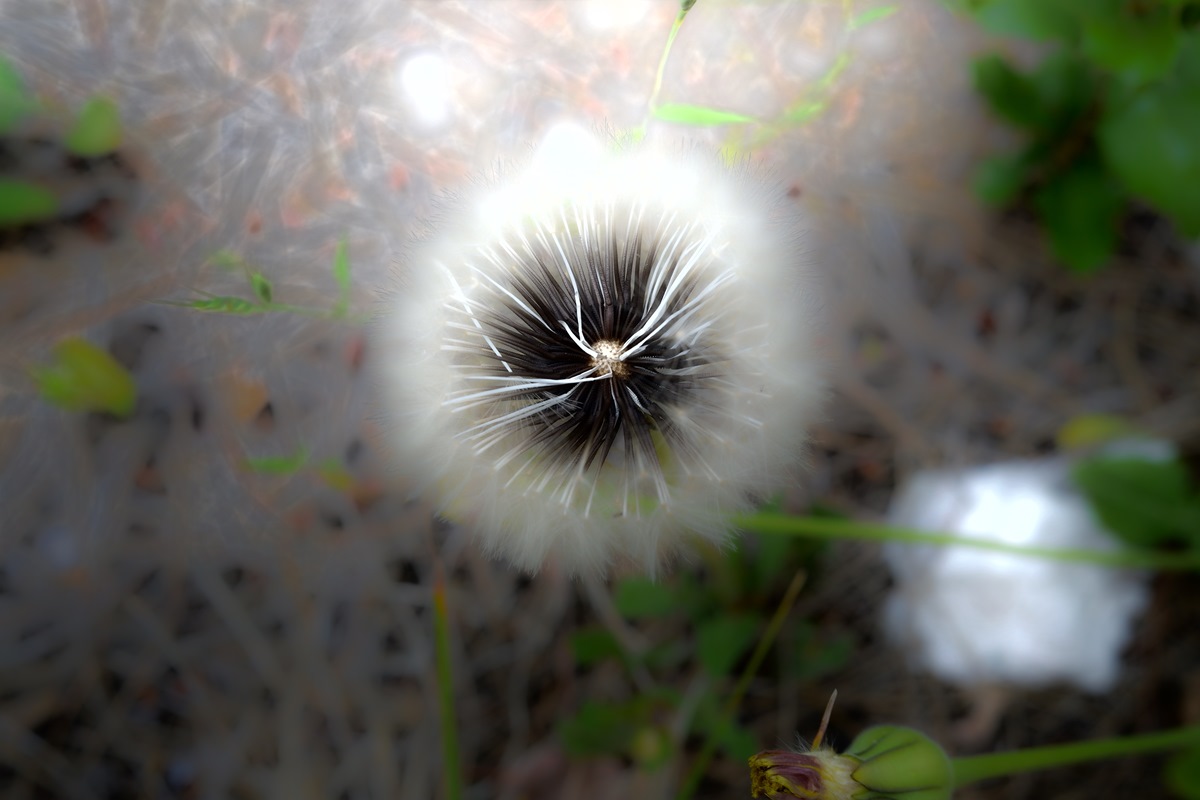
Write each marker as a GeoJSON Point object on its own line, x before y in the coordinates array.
{"type": "Point", "coordinates": [597, 363]}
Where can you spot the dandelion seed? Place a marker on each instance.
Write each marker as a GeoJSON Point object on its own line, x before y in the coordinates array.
{"type": "Point", "coordinates": [595, 364]}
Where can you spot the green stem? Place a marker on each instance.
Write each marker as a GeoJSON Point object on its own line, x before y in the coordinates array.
{"type": "Point", "coordinates": [684, 8]}
{"type": "Point", "coordinates": [824, 528]}
{"type": "Point", "coordinates": [451, 777]}
{"type": "Point", "coordinates": [739, 691]}
{"type": "Point", "coordinates": [970, 769]}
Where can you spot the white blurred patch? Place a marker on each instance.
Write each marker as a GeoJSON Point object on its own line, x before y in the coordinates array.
{"type": "Point", "coordinates": [567, 153]}
{"type": "Point", "coordinates": [425, 83]}
{"type": "Point", "coordinates": [976, 617]}
{"type": "Point", "coordinates": [609, 14]}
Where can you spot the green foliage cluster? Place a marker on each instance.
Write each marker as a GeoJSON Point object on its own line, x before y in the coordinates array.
{"type": "Point", "coordinates": [1112, 114]}
{"type": "Point", "coordinates": [1144, 503]}
{"type": "Point", "coordinates": [715, 620]}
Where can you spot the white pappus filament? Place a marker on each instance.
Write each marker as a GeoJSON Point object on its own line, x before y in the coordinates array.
{"type": "Point", "coordinates": [597, 368]}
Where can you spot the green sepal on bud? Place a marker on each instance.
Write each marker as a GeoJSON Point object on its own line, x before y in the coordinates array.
{"type": "Point", "coordinates": [887, 762]}
{"type": "Point", "coordinates": [898, 763]}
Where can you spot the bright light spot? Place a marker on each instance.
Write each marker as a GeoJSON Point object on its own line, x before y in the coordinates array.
{"type": "Point", "coordinates": [425, 80]}
{"type": "Point", "coordinates": [615, 13]}
{"type": "Point", "coordinates": [568, 152]}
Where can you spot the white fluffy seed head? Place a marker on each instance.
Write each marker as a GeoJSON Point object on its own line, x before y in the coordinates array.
{"type": "Point", "coordinates": [597, 363]}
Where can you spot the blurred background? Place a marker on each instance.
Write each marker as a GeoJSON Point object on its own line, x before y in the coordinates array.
{"type": "Point", "coordinates": [222, 591]}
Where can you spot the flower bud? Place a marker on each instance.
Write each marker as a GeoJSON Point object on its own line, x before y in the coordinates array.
{"type": "Point", "coordinates": [897, 763]}
{"type": "Point", "coordinates": [887, 762]}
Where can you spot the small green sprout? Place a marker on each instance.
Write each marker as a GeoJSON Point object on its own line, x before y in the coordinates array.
{"type": "Point", "coordinates": [24, 203]}
{"type": "Point", "coordinates": [278, 465]}
{"type": "Point", "coordinates": [97, 130]}
{"type": "Point", "coordinates": [341, 274]}
{"type": "Point", "coordinates": [84, 377]}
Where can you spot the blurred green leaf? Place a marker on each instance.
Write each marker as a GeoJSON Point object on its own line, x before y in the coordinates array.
{"type": "Point", "coordinates": [1032, 19]}
{"type": "Point", "coordinates": [600, 729]}
{"type": "Point", "coordinates": [1139, 40]}
{"type": "Point", "coordinates": [278, 465]}
{"type": "Point", "coordinates": [651, 747]}
{"type": "Point", "coordinates": [97, 131]}
{"type": "Point", "coordinates": [1182, 774]}
{"type": "Point", "coordinates": [817, 655]}
{"type": "Point", "coordinates": [15, 101]}
{"type": "Point", "coordinates": [1087, 430]}
{"type": "Point", "coordinates": [1080, 208]}
{"type": "Point", "coordinates": [1152, 143]}
{"type": "Point", "coordinates": [865, 18]}
{"type": "Point", "coordinates": [1012, 95]}
{"type": "Point", "coordinates": [341, 274]}
{"type": "Point", "coordinates": [638, 598]}
{"type": "Point", "coordinates": [999, 179]}
{"type": "Point", "coordinates": [803, 112]}
{"type": "Point", "coordinates": [227, 259]}
{"type": "Point", "coordinates": [1066, 91]}
{"type": "Point", "coordinates": [83, 377]}
{"type": "Point", "coordinates": [261, 286]}
{"type": "Point", "coordinates": [593, 645]}
{"type": "Point", "coordinates": [699, 116]}
{"type": "Point", "coordinates": [226, 305]}
{"type": "Point", "coordinates": [723, 640]}
{"type": "Point", "coordinates": [737, 742]}
{"type": "Point", "coordinates": [23, 203]}
{"type": "Point", "coordinates": [1144, 503]}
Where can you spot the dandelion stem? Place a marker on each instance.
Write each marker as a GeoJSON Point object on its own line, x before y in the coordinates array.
{"type": "Point", "coordinates": [970, 769]}
{"type": "Point", "coordinates": [735, 698]}
{"type": "Point", "coordinates": [823, 528]}
{"type": "Point", "coordinates": [451, 777]}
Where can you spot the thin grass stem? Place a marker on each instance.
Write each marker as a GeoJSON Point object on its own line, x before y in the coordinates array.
{"type": "Point", "coordinates": [776, 524]}
{"type": "Point", "coordinates": [451, 775]}
{"type": "Point", "coordinates": [700, 765]}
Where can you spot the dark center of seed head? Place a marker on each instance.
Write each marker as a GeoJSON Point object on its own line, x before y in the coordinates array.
{"type": "Point", "coordinates": [607, 360]}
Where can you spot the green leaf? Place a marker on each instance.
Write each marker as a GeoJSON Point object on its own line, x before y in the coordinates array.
{"type": "Point", "coordinates": [15, 101]}
{"type": "Point", "coordinates": [1144, 503]}
{"type": "Point", "coordinates": [721, 641]}
{"type": "Point", "coordinates": [1066, 88]}
{"type": "Point", "coordinates": [872, 15]}
{"type": "Point", "coordinates": [1138, 40]}
{"type": "Point", "coordinates": [84, 377]}
{"type": "Point", "coordinates": [278, 465]}
{"type": "Point", "coordinates": [1012, 95]}
{"type": "Point", "coordinates": [699, 116]}
{"type": "Point", "coordinates": [1087, 430]}
{"type": "Point", "coordinates": [97, 131]}
{"type": "Point", "coordinates": [227, 259]}
{"type": "Point", "coordinates": [1031, 19]}
{"type": "Point", "coordinates": [651, 747]}
{"type": "Point", "coordinates": [600, 729]}
{"type": "Point", "coordinates": [737, 742]}
{"type": "Point", "coordinates": [638, 598]}
{"type": "Point", "coordinates": [817, 656]}
{"type": "Point", "coordinates": [1182, 774]}
{"type": "Point", "coordinates": [226, 305]}
{"type": "Point", "coordinates": [1080, 209]}
{"type": "Point", "coordinates": [341, 275]}
{"type": "Point", "coordinates": [24, 203]}
{"type": "Point", "coordinates": [999, 179]}
{"type": "Point", "coordinates": [1152, 144]}
{"type": "Point", "coordinates": [593, 645]}
{"type": "Point", "coordinates": [804, 111]}
{"type": "Point", "coordinates": [261, 287]}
